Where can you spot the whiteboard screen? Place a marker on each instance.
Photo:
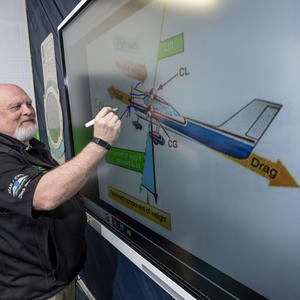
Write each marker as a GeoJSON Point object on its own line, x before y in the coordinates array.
{"type": "Point", "coordinates": [205, 168]}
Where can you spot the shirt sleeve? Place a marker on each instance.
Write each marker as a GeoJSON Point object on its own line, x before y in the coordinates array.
{"type": "Point", "coordinates": [18, 181]}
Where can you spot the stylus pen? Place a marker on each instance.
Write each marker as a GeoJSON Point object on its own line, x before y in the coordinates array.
{"type": "Point", "coordinates": [91, 123]}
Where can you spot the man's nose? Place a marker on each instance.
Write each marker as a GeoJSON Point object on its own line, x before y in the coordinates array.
{"type": "Point", "coordinates": [27, 110]}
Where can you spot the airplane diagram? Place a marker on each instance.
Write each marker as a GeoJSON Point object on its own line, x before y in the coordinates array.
{"type": "Point", "coordinates": [237, 136]}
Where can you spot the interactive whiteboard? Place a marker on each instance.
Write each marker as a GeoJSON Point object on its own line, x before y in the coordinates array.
{"type": "Point", "coordinates": [206, 166]}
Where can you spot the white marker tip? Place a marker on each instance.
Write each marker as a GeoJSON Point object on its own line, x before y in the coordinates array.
{"type": "Point", "coordinates": [91, 123]}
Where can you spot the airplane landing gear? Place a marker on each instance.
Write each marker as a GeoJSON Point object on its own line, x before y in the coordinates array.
{"type": "Point", "coordinates": [137, 125]}
{"type": "Point", "coordinates": [157, 138]}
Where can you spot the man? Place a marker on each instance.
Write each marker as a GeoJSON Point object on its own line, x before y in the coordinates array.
{"type": "Point", "coordinates": [42, 221]}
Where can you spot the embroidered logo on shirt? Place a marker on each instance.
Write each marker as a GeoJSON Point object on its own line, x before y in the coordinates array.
{"type": "Point", "coordinates": [18, 185]}
{"type": "Point", "coordinates": [39, 168]}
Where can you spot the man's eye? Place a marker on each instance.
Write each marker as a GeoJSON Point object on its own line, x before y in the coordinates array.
{"type": "Point", "coordinates": [16, 107]}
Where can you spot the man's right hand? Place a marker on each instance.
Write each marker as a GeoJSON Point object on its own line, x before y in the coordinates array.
{"type": "Point", "coordinates": [73, 174]}
{"type": "Point", "coordinates": [107, 125]}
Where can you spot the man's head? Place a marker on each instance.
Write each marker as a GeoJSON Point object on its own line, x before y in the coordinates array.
{"type": "Point", "coordinates": [17, 115]}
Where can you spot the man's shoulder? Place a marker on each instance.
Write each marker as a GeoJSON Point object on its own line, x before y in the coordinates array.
{"type": "Point", "coordinates": [7, 142]}
{"type": "Point", "coordinates": [5, 148]}
{"type": "Point", "coordinates": [8, 148]}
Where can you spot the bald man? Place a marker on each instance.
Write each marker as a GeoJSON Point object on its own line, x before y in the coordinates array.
{"type": "Point", "coordinates": [42, 220]}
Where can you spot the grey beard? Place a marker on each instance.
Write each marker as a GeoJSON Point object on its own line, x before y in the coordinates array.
{"type": "Point", "coordinates": [25, 134]}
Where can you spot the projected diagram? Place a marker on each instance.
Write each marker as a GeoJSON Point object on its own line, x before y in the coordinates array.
{"type": "Point", "coordinates": [236, 137]}
{"type": "Point", "coordinates": [151, 113]}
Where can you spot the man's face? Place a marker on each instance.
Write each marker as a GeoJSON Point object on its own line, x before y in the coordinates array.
{"type": "Point", "coordinates": [17, 115]}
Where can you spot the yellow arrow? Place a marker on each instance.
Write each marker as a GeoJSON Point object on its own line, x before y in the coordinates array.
{"type": "Point", "coordinates": [119, 95]}
{"type": "Point", "coordinates": [276, 173]}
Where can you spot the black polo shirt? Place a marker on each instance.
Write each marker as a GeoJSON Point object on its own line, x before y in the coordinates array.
{"type": "Point", "coordinates": [40, 251]}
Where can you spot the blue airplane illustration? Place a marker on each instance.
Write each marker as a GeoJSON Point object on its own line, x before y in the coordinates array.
{"type": "Point", "coordinates": [237, 136]}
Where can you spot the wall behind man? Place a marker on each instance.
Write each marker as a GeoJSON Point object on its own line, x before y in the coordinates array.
{"type": "Point", "coordinates": [15, 61]}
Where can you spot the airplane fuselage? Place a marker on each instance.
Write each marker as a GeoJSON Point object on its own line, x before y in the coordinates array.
{"type": "Point", "coordinates": [212, 137]}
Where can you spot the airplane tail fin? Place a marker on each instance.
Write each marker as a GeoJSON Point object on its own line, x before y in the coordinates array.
{"type": "Point", "coordinates": [252, 120]}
